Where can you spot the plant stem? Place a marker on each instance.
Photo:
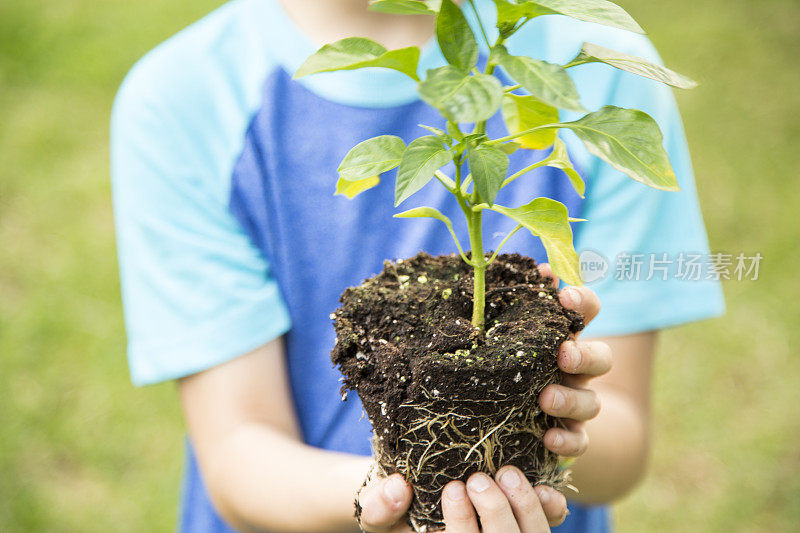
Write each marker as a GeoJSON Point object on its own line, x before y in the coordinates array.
{"type": "Point", "coordinates": [480, 22]}
{"type": "Point", "coordinates": [480, 127]}
{"type": "Point", "coordinates": [449, 184]}
{"type": "Point", "coordinates": [497, 251]}
{"type": "Point", "coordinates": [475, 218]}
{"type": "Point", "coordinates": [479, 265]}
{"type": "Point", "coordinates": [465, 185]}
{"type": "Point", "coordinates": [525, 170]}
{"type": "Point", "coordinates": [522, 133]}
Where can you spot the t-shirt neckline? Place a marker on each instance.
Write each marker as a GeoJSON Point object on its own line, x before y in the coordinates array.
{"type": "Point", "coordinates": [369, 87]}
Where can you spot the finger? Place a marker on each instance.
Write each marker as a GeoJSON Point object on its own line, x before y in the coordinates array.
{"type": "Point", "coordinates": [571, 442]}
{"type": "Point", "coordinates": [491, 504]}
{"type": "Point", "coordinates": [582, 300]}
{"type": "Point", "coordinates": [554, 504]}
{"type": "Point", "coordinates": [566, 402]}
{"type": "Point", "coordinates": [459, 514]}
{"type": "Point", "coordinates": [524, 501]}
{"type": "Point", "coordinates": [590, 358]}
{"type": "Point", "coordinates": [546, 271]}
{"type": "Point", "coordinates": [383, 503]}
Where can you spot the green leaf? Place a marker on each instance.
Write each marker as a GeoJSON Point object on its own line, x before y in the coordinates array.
{"type": "Point", "coordinates": [359, 52]}
{"type": "Point", "coordinates": [351, 189]}
{"type": "Point", "coordinates": [422, 158]}
{"type": "Point", "coordinates": [592, 53]}
{"type": "Point", "coordinates": [454, 131]}
{"type": "Point", "coordinates": [430, 212]}
{"type": "Point", "coordinates": [443, 135]}
{"type": "Point", "coordinates": [509, 13]}
{"type": "Point", "coordinates": [455, 37]}
{"type": "Point", "coordinates": [559, 158]}
{"type": "Point", "coordinates": [598, 11]}
{"type": "Point", "coordinates": [460, 96]}
{"type": "Point", "coordinates": [509, 147]}
{"type": "Point", "coordinates": [522, 113]}
{"type": "Point", "coordinates": [372, 157]}
{"type": "Point", "coordinates": [630, 141]}
{"type": "Point", "coordinates": [406, 7]}
{"type": "Point", "coordinates": [549, 220]}
{"type": "Point", "coordinates": [547, 81]}
{"type": "Point", "coordinates": [425, 212]}
{"type": "Point", "coordinates": [488, 166]}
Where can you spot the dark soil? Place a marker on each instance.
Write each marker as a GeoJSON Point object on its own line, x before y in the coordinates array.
{"type": "Point", "coordinates": [445, 400]}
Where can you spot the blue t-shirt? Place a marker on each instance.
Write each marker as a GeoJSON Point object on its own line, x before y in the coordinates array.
{"type": "Point", "coordinates": [230, 236]}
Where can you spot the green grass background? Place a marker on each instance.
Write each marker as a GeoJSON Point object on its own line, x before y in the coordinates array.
{"type": "Point", "coordinates": [82, 450]}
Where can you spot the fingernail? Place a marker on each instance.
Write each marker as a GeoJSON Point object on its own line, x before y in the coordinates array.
{"type": "Point", "coordinates": [558, 400]}
{"type": "Point", "coordinates": [479, 483]}
{"type": "Point", "coordinates": [558, 440]}
{"type": "Point", "coordinates": [455, 492]}
{"type": "Point", "coordinates": [395, 489]}
{"type": "Point", "coordinates": [510, 479]}
{"type": "Point", "coordinates": [573, 297]}
{"type": "Point", "coordinates": [544, 495]}
{"type": "Point", "coordinates": [574, 355]}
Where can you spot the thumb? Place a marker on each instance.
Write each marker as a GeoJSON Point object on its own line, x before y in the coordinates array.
{"type": "Point", "coordinates": [383, 503]}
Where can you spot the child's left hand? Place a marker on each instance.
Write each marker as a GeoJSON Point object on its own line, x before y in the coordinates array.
{"type": "Point", "coordinates": [581, 361]}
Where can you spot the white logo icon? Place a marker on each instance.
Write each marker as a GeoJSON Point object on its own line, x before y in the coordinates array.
{"type": "Point", "coordinates": [593, 266]}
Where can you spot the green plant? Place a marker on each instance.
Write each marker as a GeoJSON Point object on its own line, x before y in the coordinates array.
{"type": "Point", "coordinates": [627, 139]}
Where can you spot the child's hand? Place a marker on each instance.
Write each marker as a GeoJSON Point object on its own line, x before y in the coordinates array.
{"type": "Point", "coordinates": [580, 361]}
{"type": "Point", "coordinates": [505, 504]}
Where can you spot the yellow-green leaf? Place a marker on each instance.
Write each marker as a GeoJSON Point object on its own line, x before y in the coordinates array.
{"type": "Point", "coordinates": [549, 220]}
{"type": "Point", "coordinates": [522, 113]}
{"type": "Point", "coordinates": [351, 189]}
{"type": "Point", "coordinates": [547, 81]}
{"type": "Point", "coordinates": [405, 7]}
{"type": "Point", "coordinates": [359, 52]}
{"type": "Point", "coordinates": [630, 141]}
{"type": "Point", "coordinates": [372, 157]}
{"type": "Point", "coordinates": [425, 212]}
{"type": "Point", "coordinates": [462, 97]}
{"type": "Point", "coordinates": [597, 11]}
{"type": "Point", "coordinates": [430, 212]}
{"type": "Point", "coordinates": [509, 147]}
{"type": "Point", "coordinates": [593, 53]}
{"type": "Point", "coordinates": [455, 37]}
{"type": "Point", "coordinates": [559, 158]}
{"type": "Point", "coordinates": [488, 166]}
{"type": "Point", "coordinates": [422, 158]}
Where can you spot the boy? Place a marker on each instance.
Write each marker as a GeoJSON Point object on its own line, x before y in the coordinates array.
{"type": "Point", "coordinates": [233, 252]}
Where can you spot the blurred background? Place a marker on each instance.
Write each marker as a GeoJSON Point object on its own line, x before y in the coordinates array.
{"type": "Point", "coordinates": [82, 450]}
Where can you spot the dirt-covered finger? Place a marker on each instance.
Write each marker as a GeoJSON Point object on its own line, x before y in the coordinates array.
{"type": "Point", "coordinates": [566, 402]}
{"type": "Point", "coordinates": [554, 504]}
{"type": "Point", "coordinates": [547, 271]}
{"type": "Point", "coordinates": [383, 503]}
{"type": "Point", "coordinates": [524, 501]}
{"type": "Point", "coordinates": [459, 514]}
{"type": "Point", "coordinates": [491, 505]}
{"type": "Point", "coordinates": [567, 442]}
{"type": "Point", "coordinates": [582, 300]}
{"type": "Point", "coordinates": [591, 358]}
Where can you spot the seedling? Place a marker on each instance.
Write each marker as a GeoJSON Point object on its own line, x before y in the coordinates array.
{"type": "Point", "coordinates": [627, 139]}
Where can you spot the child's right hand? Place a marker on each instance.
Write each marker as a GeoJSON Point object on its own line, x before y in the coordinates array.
{"type": "Point", "coordinates": [506, 504]}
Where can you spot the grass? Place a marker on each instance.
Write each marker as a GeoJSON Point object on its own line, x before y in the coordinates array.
{"type": "Point", "coordinates": [82, 450]}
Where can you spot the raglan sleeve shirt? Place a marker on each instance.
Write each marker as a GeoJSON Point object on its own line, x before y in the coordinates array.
{"type": "Point", "coordinates": [196, 291]}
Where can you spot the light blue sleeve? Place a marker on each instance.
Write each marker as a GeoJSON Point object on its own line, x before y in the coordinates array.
{"type": "Point", "coordinates": [196, 291]}
{"type": "Point", "coordinates": [629, 223]}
